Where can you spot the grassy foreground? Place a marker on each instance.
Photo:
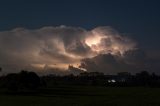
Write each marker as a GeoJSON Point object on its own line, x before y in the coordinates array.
{"type": "Point", "coordinates": [86, 96]}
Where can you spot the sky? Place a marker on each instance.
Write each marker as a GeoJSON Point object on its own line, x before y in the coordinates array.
{"type": "Point", "coordinates": [137, 19]}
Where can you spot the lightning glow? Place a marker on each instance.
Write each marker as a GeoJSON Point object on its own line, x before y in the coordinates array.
{"type": "Point", "coordinates": [58, 47]}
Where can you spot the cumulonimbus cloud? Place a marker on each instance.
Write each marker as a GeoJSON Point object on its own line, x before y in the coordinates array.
{"type": "Point", "coordinates": [59, 46]}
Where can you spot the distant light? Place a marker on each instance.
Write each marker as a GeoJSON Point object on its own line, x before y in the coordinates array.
{"type": "Point", "coordinates": [109, 81]}
{"type": "Point", "coordinates": [112, 81]}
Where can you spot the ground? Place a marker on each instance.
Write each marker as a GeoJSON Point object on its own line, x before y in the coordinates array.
{"type": "Point", "coordinates": [86, 96]}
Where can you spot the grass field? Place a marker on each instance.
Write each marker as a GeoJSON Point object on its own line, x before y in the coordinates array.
{"type": "Point", "coordinates": [86, 96]}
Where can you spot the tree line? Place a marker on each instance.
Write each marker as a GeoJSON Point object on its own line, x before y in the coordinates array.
{"type": "Point", "coordinates": [26, 80]}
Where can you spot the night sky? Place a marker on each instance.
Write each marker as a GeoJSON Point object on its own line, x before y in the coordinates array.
{"type": "Point", "coordinates": [137, 19]}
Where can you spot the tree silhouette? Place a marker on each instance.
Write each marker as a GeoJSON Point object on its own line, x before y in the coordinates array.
{"type": "Point", "coordinates": [21, 81]}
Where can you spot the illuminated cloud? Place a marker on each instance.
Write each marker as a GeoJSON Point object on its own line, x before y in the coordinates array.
{"type": "Point", "coordinates": [57, 47]}
{"type": "Point", "coordinates": [104, 40]}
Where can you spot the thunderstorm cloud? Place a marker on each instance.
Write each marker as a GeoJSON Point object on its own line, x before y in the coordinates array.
{"type": "Point", "coordinates": [100, 49]}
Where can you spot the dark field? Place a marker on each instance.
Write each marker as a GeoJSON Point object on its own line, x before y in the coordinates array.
{"type": "Point", "coordinates": [85, 96]}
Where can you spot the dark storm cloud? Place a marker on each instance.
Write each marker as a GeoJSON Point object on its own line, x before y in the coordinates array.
{"type": "Point", "coordinates": [132, 61]}
{"type": "Point", "coordinates": [106, 63]}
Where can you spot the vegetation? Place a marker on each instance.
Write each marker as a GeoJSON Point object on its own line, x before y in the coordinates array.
{"type": "Point", "coordinates": [86, 89]}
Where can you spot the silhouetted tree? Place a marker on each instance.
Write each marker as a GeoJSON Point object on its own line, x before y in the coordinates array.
{"type": "Point", "coordinates": [29, 80]}
{"type": "Point", "coordinates": [11, 82]}
{"type": "Point", "coordinates": [23, 80]}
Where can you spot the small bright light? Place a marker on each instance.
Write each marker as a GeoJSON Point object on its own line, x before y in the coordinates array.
{"type": "Point", "coordinates": [113, 81]}
{"type": "Point", "coordinates": [109, 81]}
